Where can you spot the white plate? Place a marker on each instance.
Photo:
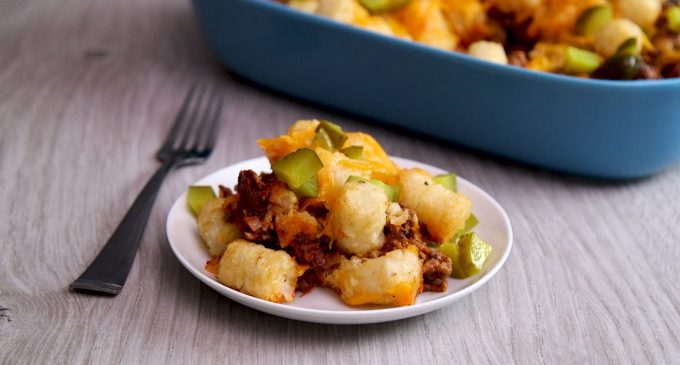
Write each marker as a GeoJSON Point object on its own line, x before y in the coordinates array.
{"type": "Point", "coordinates": [323, 305]}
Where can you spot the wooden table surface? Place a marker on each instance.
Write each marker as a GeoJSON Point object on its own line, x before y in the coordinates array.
{"type": "Point", "coordinates": [87, 92]}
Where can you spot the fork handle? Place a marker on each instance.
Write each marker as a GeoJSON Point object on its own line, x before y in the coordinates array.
{"type": "Point", "coordinates": [109, 270]}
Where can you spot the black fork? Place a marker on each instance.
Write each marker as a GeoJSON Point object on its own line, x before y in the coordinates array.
{"type": "Point", "coordinates": [190, 141]}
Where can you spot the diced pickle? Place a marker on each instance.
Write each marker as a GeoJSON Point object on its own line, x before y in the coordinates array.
{"type": "Point", "coordinates": [448, 181]}
{"type": "Point", "coordinates": [335, 133]}
{"type": "Point", "coordinates": [593, 19]}
{"type": "Point", "coordinates": [467, 255]}
{"type": "Point", "coordinates": [579, 61]}
{"type": "Point", "coordinates": [629, 47]}
{"type": "Point", "coordinates": [323, 140]}
{"type": "Point", "coordinates": [309, 188]}
{"type": "Point", "coordinates": [298, 170]}
{"type": "Point", "coordinates": [353, 152]}
{"type": "Point", "coordinates": [199, 195]}
{"type": "Point", "coordinates": [389, 191]}
{"type": "Point", "coordinates": [673, 19]}
{"type": "Point", "coordinates": [449, 249]}
{"type": "Point", "coordinates": [379, 6]}
{"type": "Point", "coordinates": [619, 67]}
{"type": "Point", "coordinates": [470, 223]}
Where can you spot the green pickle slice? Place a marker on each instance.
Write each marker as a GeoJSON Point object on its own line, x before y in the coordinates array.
{"type": "Point", "coordinates": [470, 223]}
{"type": "Point", "coordinates": [197, 195]}
{"type": "Point", "coordinates": [629, 47]}
{"type": "Point", "coordinates": [448, 181]}
{"type": "Point", "coordinates": [298, 170]}
{"type": "Point", "coordinates": [673, 19]}
{"type": "Point", "coordinates": [580, 61]}
{"type": "Point", "coordinates": [380, 6]}
{"type": "Point", "coordinates": [353, 152]}
{"type": "Point", "coordinates": [323, 140]}
{"type": "Point", "coordinates": [593, 19]}
{"type": "Point", "coordinates": [468, 255]}
{"type": "Point", "coordinates": [472, 254]}
{"type": "Point", "coordinates": [335, 133]}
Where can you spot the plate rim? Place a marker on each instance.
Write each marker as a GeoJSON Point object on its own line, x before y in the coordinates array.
{"type": "Point", "coordinates": [333, 316]}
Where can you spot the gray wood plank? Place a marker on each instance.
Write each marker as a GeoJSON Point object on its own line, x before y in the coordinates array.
{"type": "Point", "coordinates": [87, 92]}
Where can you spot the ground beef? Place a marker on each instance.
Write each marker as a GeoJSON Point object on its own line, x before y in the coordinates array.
{"type": "Point", "coordinates": [318, 254]}
{"type": "Point", "coordinates": [509, 31]}
{"type": "Point", "coordinates": [318, 210]}
{"type": "Point", "coordinates": [671, 71]}
{"type": "Point", "coordinates": [518, 58]}
{"type": "Point", "coordinates": [252, 213]}
{"type": "Point", "coordinates": [309, 250]}
{"type": "Point", "coordinates": [436, 266]}
{"type": "Point", "coordinates": [225, 191]}
{"type": "Point", "coordinates": [648, 72]}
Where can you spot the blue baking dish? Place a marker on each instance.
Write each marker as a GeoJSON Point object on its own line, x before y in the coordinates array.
{"type": "Point", "coordinates": [611, 129]}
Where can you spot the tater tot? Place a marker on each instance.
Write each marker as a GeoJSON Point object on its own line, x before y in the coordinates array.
{"type": "Point", "coordinates": [394, 278]}
{"type": "Point", "coordinates": [489, 51]}
{"type": "Point", "coordinates": [642, 12]}
{"type": "Point", "coordinates": [442, 211]}
{"type": "Point", "coordinates": [258, 271]}
{"type": "Point", "coordinates": [359, 216]}
{"type": "Point", "coordinates": [611, 36]}
{"type": "Point", "coordinates": [213, 227]}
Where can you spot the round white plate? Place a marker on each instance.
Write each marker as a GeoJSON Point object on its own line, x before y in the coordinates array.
{"type": "Point", "coordinates": [323, 305]}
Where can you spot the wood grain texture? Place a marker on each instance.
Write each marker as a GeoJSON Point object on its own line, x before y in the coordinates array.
{"type": "Point", "coordinates": [87, 91]}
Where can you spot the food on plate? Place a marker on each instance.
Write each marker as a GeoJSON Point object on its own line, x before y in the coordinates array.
{"type": "Point", "coordinates": [337, 212]}
{"type": "Point", "coordinates": [393, 278]}
{"type": "Point", "coordinates": [275, 277]}
{"type": "Point", "coordinates": [573, 37]}
{"type": "Point", "coordinates": [468, 255]}
{"type": "Point", "coordinates": [441, 210]}
{"type": "Point", "coordinates": [199, 195]}
{"type": "Point", "coordinates": [359, 216]}
{"type": "Point", "coordinates": [213, 227]}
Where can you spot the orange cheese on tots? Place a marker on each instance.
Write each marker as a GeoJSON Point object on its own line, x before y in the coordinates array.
{"type": "Point", "coordinates": [337, 168]}
{"type": "Point", "coordinates": [425, 22]}
{"type": "Point", "coordinates": [382, 167]}
{"type": "Point", "coordinates": [554, 18]}
{"type": "Point", "coordinates": [299, 135]}
{"type": "Point", "coordinates": [393, 279]}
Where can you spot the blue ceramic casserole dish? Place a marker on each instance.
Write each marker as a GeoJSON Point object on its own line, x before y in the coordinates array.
{"type": "Point", "coordinates": [611, 129]}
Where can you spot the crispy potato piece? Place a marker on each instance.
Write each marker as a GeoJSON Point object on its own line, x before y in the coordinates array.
{"type": "Point", "coordinates": [394, 278]}
{"type": "Point", "coordinates": [489, 51]}
{"type": "Point", "coordinates": [359, 216]}
{"type": "Point", "coordinates": [294, 223]}
{"type": "Point", "coordinates": [642, 12]}
{"type": "Point", "coordinates": [425, 22]}
{"type": "Point", "coordinates": [308, 6]}
{"type": "Point", "coordinates": [258, 271]}
{"type": "Point", "coordinates": [213, 228]}
{"type": "Point", "coordinates": [442, 211]}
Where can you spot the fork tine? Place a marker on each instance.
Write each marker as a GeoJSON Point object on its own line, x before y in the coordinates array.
{"type": "Point", "coordinates": [214, 124]}
{"type": "Point", "coordinates": [200, 132]}
{"type": "Point", "coordinates": [193, 120]}
{"type": "Point", "coordinates": [179, 120]}
{"type": "Point", "coordinates": [212, 120]}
